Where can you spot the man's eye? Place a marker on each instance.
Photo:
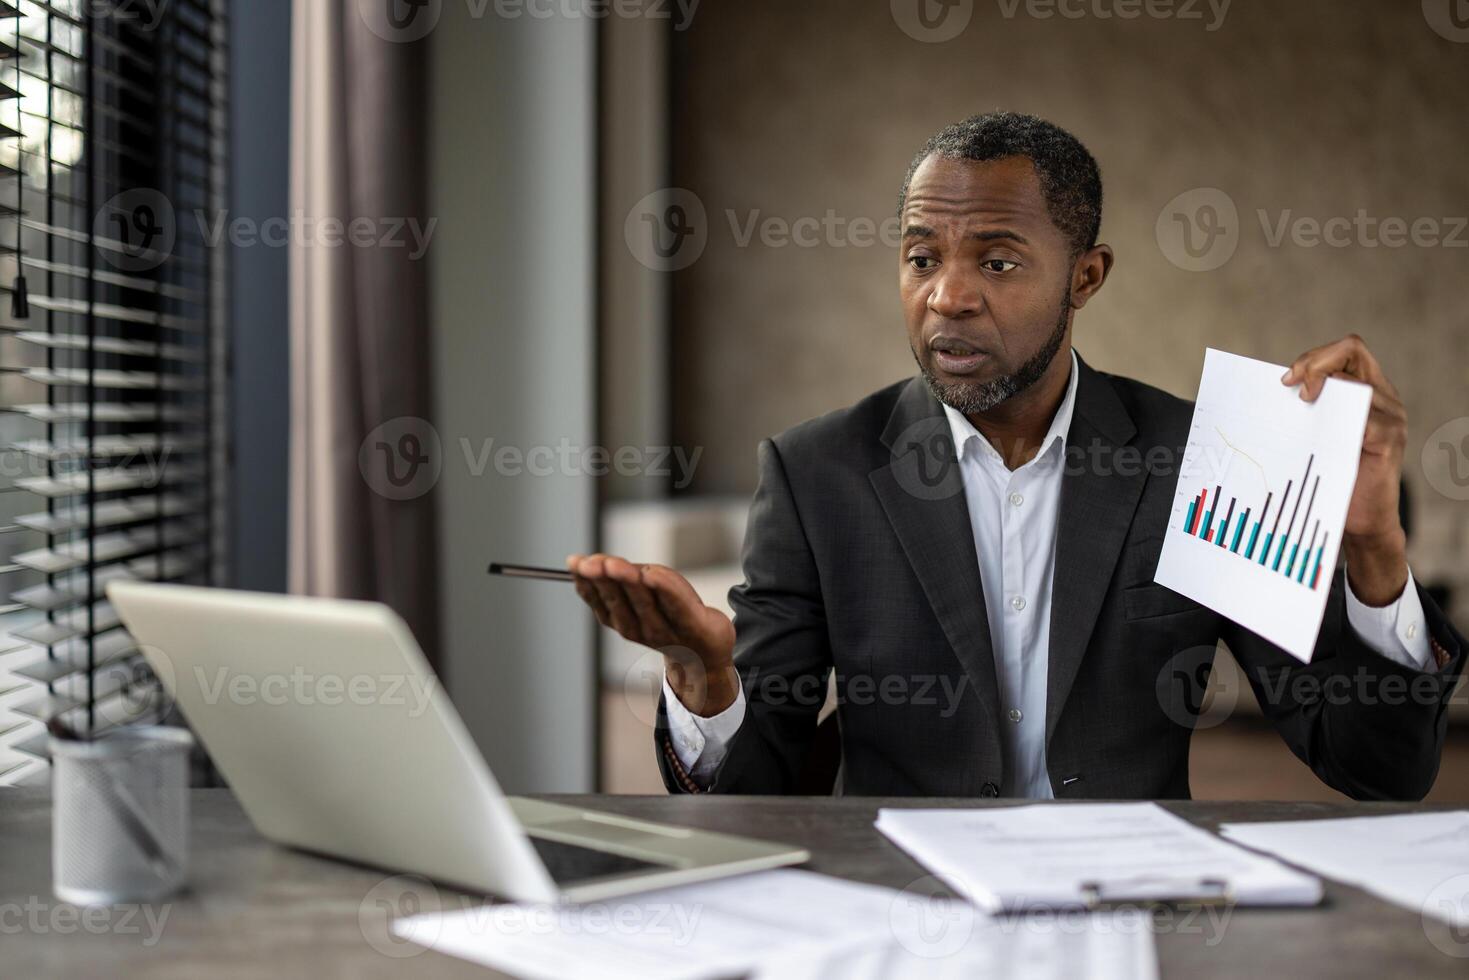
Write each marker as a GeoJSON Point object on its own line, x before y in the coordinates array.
{"type": "Point", "coordinates": [922, 262]}
{"type": "Point", "coordinates": [998, 265]}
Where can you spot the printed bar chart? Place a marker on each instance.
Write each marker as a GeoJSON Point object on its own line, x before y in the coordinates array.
{"type": "Point", "coordinates": [1261, 498]}
{"type": "Point", "coordinates": [1310, 557]}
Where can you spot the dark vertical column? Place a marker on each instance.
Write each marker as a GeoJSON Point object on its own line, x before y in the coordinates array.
{"type": "Point", "coordinates": [259, 341]}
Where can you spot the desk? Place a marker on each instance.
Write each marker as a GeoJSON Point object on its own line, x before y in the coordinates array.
{"type": "Point", "coordinates": [257, 910]}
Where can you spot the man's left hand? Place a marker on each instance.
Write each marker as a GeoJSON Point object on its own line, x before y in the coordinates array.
{"type": "Point", "coordinates": [1374, 542]}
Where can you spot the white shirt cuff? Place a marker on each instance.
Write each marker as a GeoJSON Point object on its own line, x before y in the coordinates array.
{"type": "Point", "coordinates": [701, 743]}
{"type": "Point", "coordinates": [1397, 631]}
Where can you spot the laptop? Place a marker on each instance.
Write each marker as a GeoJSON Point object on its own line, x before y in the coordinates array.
{"type": "Point", "coordinates": [337, 738]}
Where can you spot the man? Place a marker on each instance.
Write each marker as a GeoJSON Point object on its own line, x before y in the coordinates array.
{"type": "Point", "coordinates": [972, 551]}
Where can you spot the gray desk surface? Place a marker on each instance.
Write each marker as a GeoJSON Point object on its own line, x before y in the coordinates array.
{"type": "Point", "coordinates": [257, 910]}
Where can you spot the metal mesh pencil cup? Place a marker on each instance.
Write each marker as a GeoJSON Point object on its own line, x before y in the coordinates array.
{"type": "Point", "coordinates": [120, 815]}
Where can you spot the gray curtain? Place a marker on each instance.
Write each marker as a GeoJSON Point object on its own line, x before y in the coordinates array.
{"type": "Point", "coordinates": [360, 356]}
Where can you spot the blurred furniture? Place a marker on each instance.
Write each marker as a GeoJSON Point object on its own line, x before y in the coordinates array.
{"type": "Point", "coordinates": [256, 909]}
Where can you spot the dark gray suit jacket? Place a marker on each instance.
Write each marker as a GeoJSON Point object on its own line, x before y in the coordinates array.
{"type": "Point", "coordinates": [859, 558]}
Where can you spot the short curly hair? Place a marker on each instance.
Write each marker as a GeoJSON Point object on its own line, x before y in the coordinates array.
{"type": "Point", "coordinates": [1069, 177]}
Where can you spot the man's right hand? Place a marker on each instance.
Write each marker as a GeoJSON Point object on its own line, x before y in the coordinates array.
{"type": "Point", "coordinates": [657, 607]}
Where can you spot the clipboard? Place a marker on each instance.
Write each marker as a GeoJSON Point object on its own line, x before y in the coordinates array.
{"type": "Point", "coordinates": [1100, 895]}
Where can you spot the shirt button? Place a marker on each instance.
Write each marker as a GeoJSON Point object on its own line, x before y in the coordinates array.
{"type": "Point", "coordinates": [1015, 715]}
{"type": "Point", "coordinates": [1016, 499]}
{"type": "Point", "coordinates": [1018, 603]}
{"type": "Point", "coordinates": [1411, 631]}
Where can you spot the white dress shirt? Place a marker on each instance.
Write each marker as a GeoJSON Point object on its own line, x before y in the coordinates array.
{"type": "Point", "coordinates": [1013, 515]}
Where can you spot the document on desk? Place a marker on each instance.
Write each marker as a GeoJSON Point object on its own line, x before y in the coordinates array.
{"type": "Point", "coordinates": [1072, 855]}
{"type": "Point", "coordinates": [1262, 498]}
{"type": "Point", "coordinates": [785, 924]}
{"type": "Point", "coordinates": [945, 942]}
{"type": "Point", "coordinates": [1417, 860]}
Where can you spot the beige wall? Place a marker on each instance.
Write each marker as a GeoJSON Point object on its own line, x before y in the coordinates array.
{"type": "Point", "coordinates": [1321, 107]}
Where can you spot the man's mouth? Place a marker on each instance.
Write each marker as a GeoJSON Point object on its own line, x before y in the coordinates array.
{"type": "Point", "coordinates": [955, 355]}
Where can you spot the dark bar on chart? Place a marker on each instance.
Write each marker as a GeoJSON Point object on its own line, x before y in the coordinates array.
{"type": "Point", "coordinates": [1224, 528]}
{"type": "Point", "coordinates": [1276, 526]}
{"type": "Point", "coordinates": [1294, 510]}
{"type": "Point", "coordinates": [1304, 521]}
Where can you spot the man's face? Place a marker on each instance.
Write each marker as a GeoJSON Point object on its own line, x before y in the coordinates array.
{"type": "Point", "coordinates": [985, 279]}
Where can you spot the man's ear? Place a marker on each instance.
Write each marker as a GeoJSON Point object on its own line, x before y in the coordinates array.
{"type": "Point", "coordinates": [1088, 274]}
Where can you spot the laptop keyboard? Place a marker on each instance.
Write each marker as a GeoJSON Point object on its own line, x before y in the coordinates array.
{"type": "Point", "coordinates": [572, 862]}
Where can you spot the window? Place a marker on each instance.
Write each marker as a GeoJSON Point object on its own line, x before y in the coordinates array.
{"type": "Point", "coordinates": [112, 374]}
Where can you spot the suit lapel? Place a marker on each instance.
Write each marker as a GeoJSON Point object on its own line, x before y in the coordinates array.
{"type": "Point", "coordinates": [922, 492]}
{"type": "Point", "coordinates": [1100, 489]}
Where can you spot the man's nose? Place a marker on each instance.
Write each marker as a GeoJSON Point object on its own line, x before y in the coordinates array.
{"type": "Point", "coordinates": [955, 297]}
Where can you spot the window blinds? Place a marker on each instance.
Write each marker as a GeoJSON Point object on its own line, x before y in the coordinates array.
{"type": "Point", "coordinates": [112, 379]}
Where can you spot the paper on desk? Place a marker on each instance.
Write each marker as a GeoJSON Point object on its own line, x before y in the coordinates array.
{"type": "Point", "coordinates": [1262, 498]}
{"type": "Point", "coordinates": [1044, 856]}
{"type": "Point", "coordinates": [715, 929]}
{"type": "Point", "coordinates": [945, 943]}
{"type": "Point", "coordinates": [781, 924]}
{"type": "Point", "coordinates": [1417, 860]}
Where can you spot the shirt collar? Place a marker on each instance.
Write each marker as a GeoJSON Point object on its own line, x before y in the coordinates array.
{"type": "Point", "coordinates": [963, 430]}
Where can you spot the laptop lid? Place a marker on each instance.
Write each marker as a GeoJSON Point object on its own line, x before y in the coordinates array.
{"type": "Point", "coordinates": [333, 732]}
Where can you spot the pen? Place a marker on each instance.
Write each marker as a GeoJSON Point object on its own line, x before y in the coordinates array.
{"type": "Point", "coordinates": [531, 571]}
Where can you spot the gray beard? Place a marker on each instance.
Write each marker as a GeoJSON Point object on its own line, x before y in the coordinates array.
{"type": "Point", "coordinates": [975, 397]}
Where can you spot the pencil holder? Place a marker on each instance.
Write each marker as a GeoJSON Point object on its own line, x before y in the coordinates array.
{"type": "Point", "coordinates": [120, 815]}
